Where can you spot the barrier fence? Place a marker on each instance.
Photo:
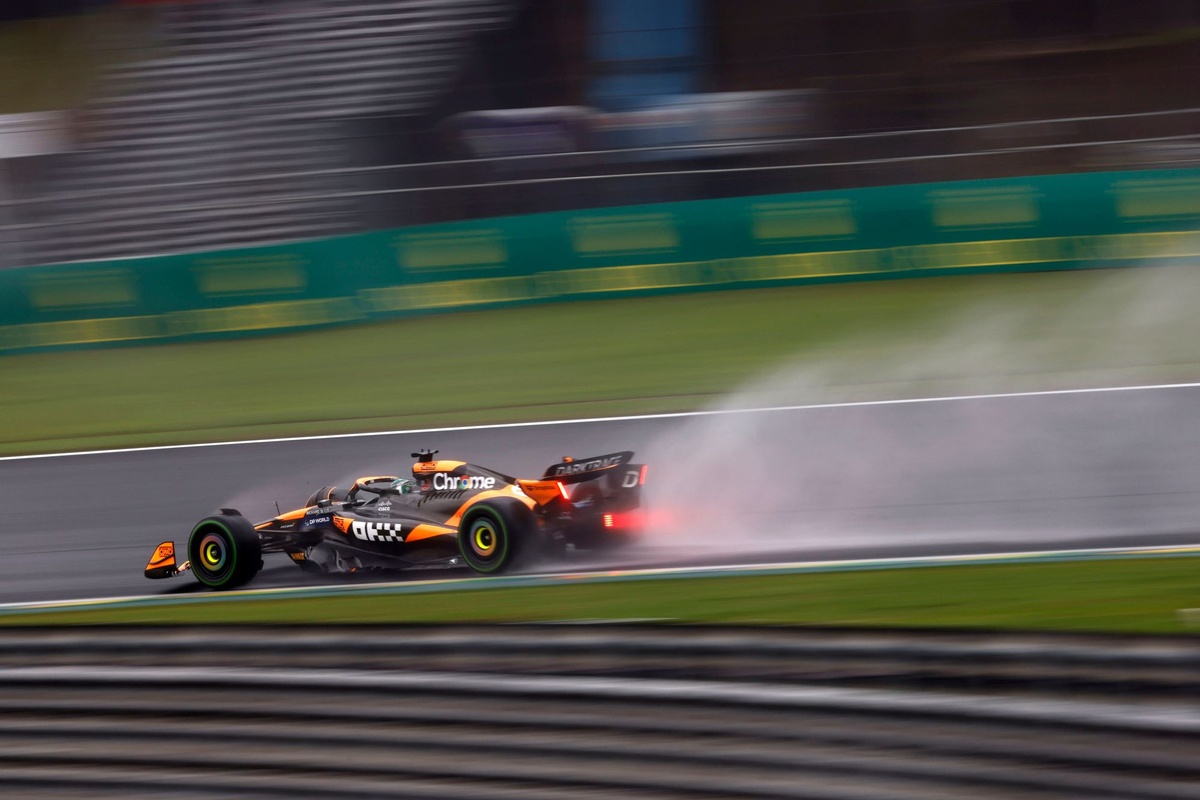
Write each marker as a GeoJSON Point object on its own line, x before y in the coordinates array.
{"type": "Point", "coordinates": [611, 711]}
{"type": "Point", "coordinates": [1023, 224]}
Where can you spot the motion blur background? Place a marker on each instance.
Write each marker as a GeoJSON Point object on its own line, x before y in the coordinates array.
{"type": "Point", "coordinates": [139, 127]}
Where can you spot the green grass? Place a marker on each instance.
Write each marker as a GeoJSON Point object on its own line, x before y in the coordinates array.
{"type": "Point", "coordinates": [1118, 595]}
{"type": "Point", "coordinates": [673, 353]}
{"type": "Point", "coordinates": [844, 341]}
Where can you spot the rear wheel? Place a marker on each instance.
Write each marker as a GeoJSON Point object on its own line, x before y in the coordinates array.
{"type": "Point", "coordinates": [496, 535]}
{"type": "Point", "coordinates": [225, 551]}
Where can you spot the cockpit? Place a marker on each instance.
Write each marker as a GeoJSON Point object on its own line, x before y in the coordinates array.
{"type": "Point", "coordinates": [406, 486]}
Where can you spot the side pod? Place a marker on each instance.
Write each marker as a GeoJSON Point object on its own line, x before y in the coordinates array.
{"type": "Point", "coordinates": [162, 562]}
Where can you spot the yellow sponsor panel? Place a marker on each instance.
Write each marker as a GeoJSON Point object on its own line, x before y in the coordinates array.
{"type": "Point", "coordinates": [620, 279]}
{"type": "Point", "coordinates": [80, 331]}
{"type": "Point", "coordinates": [800, 265]}
{"type": "Point", "coordinates": [1015, 252]}
{"type": "Point", "coordinates": [470, 249]}
{"type": "Point", "coordinates": [992, 207]}
{"type": "Point", "coordinates": [1165, 198]}
{"type": "Point", "coordinates": [623, 233]}
{"type": "Point", "coordinates": [108, 288]}
{"type": "Point", "coordinates": [277, 273]}
{"type": "Point", "coordinates": [994, 253]}
{"type": "Point", "coordinates": [825, 219]}
{"type": "Point", "coordinates": [1143, 246]}
{"type": "Point", "coordinates": [262, 316]}
{"type": "Point", "coordinates": [446, 294]}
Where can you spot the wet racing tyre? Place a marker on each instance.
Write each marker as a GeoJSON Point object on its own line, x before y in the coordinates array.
{"type": "Point", "coordinates": [225, 551]}
{"type": "Point", "coordinates": [497, 535]}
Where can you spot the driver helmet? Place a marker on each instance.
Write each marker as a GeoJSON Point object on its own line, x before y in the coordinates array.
{"type": "Point", "coordinates": [405, 485]}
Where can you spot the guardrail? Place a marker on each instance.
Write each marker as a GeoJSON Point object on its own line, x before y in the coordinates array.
{"type": "Point", "coordinates": [779, 656]}
{"type": "Point", "coordinates": [569, 711]}
{"type": "Point", "coordinates": [241, 209]}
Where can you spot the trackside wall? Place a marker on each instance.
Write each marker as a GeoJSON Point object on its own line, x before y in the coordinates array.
{"type": "Point", "coordinates": [1116, 219]}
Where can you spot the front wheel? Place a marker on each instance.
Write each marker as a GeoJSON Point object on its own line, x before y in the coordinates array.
{"type": "Point", "coordinates": [495, 535]}
{"type": "Point", "coordinates": [225, 551]}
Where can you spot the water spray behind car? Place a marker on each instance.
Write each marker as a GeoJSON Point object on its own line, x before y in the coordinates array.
{"type": "Point", "coordinates": [855, 472]}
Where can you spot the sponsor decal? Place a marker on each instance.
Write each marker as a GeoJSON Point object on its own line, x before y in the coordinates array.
{"type": "Point", "coordinates": [576, 467]}
{"type": "Point", "coordinates": [297, 556]}
{"type": "Point", "coordinates": [325, 520]}
{"type": "Point", "coordinates": [631, 480]}
{"type": "Point", "coordinates": [383, 505]}
{"type": "Point", "coordinates": [443, 482]}
{"type": "Point", "coordinates": [317, 510]}
{"type": "Point", "coordinates": [378, 531]}
{"type": "Point", "coordinates": [342, 524]}
{"type": "Point", "coordinates": [164, 551]}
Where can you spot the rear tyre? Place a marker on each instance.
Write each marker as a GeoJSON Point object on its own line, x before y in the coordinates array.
{"type": "Point", "coordinates": [225, 551]}
{"type": "Point", "coordinates": [496, 535]}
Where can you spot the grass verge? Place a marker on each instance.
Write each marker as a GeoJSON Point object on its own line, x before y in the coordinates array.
{"type": "Point", "coordinates": [643, 355]}
{"type": "Point", "coordinates": [1145, 595]}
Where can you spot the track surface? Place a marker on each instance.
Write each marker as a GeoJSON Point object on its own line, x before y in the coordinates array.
{"type": "Point", "coordinates": [970, 475]}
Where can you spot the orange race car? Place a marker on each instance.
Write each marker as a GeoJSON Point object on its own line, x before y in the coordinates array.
{"type": "Point", "coordinates": [447, 514]}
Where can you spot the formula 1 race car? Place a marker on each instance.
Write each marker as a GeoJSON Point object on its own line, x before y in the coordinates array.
{"type": "Point", "coordinates": [448, 514]}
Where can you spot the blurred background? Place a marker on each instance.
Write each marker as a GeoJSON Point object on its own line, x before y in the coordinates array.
{"type": "Point", "coordinates": [143, 127]}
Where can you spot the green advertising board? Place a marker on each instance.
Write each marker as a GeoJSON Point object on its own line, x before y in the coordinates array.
{"type": "Point", "coordinates": [1046, 222]}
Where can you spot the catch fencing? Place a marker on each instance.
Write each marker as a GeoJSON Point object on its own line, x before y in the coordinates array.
{"type": "Point", "coordinates": [570, 711]}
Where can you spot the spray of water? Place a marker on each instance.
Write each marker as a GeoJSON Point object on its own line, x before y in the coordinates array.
{"type": "Point", "coordinates": [1001, 473]}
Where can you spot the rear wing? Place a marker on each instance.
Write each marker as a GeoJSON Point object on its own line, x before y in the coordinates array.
{"type": "Point", "coordinates": [616, 480]}
{"type": "Point", "coordinates": [577, 470]}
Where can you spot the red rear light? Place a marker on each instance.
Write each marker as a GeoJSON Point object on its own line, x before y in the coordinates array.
{"type": "Point", "coordinates": [623, 521]}
{"type": "Point", "coordinates": [642, 475]}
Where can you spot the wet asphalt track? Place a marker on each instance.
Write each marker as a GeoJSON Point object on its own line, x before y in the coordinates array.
{"type": "Point", "coordinates": [965, 476]}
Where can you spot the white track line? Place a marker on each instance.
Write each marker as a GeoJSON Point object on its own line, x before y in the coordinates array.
{"type": "Point", "coordinates": [546, 579]}
{"type": "Point", "coordinates": [629, 418]}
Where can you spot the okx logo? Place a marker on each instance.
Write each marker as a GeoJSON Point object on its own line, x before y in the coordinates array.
{"type": "Point", "coordinates": [378, 531]}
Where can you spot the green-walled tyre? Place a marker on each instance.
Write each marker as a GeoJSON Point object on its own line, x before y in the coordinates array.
{"type": "Point", "coordinates": [496, 535]}
{"type": "Point", "coordinates": [225, 551]}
